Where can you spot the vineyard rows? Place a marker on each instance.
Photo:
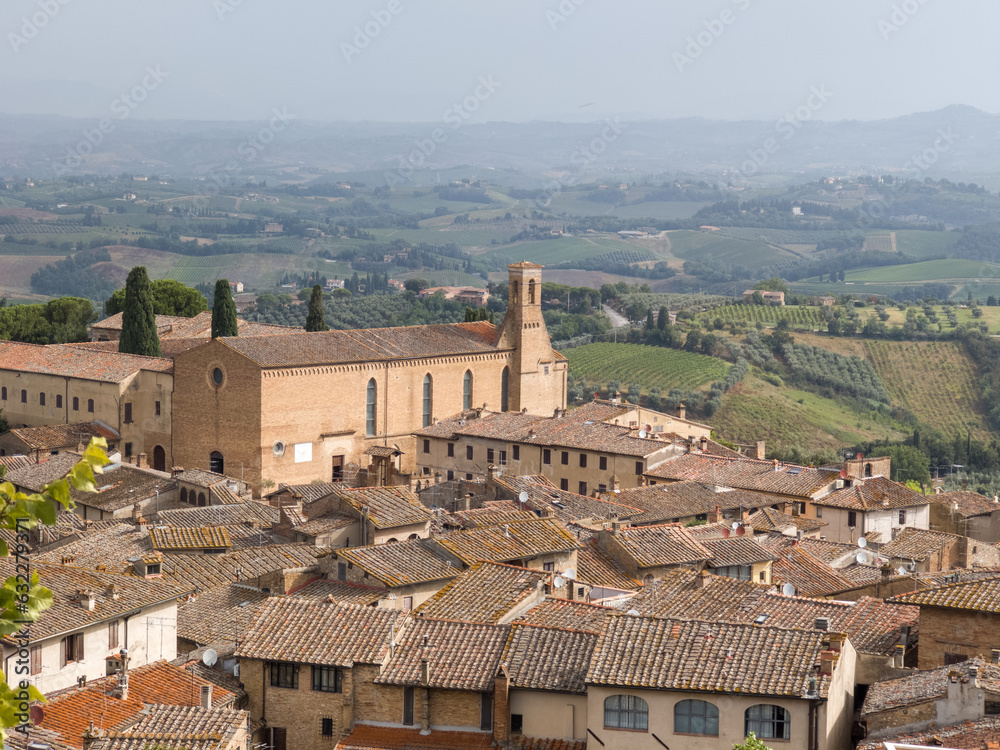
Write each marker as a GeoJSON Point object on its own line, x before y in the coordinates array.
{"type": "Point", "coordinates": [810, 317]}
{"type": "Point", "coordinates": [935, 380]}
{"type": "Point", "coordinates": [649, 366]}
{"type": "Point", "coordinates": [780, 236]}
{"type": "Point", "coordinates": [41, 227]}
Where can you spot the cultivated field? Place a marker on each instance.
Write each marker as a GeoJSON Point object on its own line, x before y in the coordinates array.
{"type": "Point", "coordinates": [935, 380]}
{"type": "Point", "coordinates": [809, 317]}
{"type": "Point", "coordinates": [649, 366]}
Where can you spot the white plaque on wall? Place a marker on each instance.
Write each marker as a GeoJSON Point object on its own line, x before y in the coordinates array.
{"type": "Point", "coordinates": [303, 452]}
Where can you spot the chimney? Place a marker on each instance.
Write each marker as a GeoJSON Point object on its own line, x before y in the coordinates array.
{"type": "Point", "coordinates": [131, 460]}
{"type": "Point", "coordinates": [995, 656]}
{"type": "Point", "coordinates": [777, 464]}
{"type": "Point", "coordinates": [206, 697]}
{"type": "Point", "coordinates": [616, 528]}
{"type": "Point", "coordinates": [616, 485]}
{"type": "Point", "coordinates": [701, 580]}
{"type": "Point", "coordinates": [827, 660]}
{"type": "Point", "coordinates": [425, 672]}
{"type": "Point", "coordinates": [760, 450]}
{"type": "Point", "coordinates": [704, 444]}
{"type": "Point", "coordinates": [87, 599]}
{"type": "Point", "coordinates": [898, 655]}
{"type": "Point", "coordinates": [823, 623]}
{"type": "Point", "coordinates": [836, 641]}
{"type": "Point", "coordinates": [682, 411]}
{"type": "Point", "coordinates": [143, 464]}
{"type": "Point", "coordinates": [175, 470]}
{"type": "Point", "coordinates": [466, 501]}
{"type": "Point", "coordinates": [501, 710]}
{"type": "Point", "coordinates": [716, 516]}
{"type": "Point", "coordinates": [90, 736]}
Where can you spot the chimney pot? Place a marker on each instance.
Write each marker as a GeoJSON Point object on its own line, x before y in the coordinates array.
{"type": "Point", "coordinates": [760, 450]}
{"type": "Point", "coordinates": [681, 411]}
{"type": "Point", "coordinates": [206, 697]}
{"type": "Point", "coordinates": [143, 464]}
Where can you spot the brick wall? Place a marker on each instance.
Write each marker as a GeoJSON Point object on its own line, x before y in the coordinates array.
{"type": "Point", "coordinates": [956, 632]}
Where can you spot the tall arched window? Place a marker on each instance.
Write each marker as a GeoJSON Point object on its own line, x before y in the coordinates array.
{"type": "Point", "coordinates": [505, 389]}
{"type": "Point", "coordinates": [428, 399]}
{"type": "Point", "coordinates": [768, 722]}
{"type": "Point", "coordinates": [159, 458]}
{"type": "Point", "coordinates": [467, 390]}
{"type": "Point", "coordinates": [370, 409]}
{"type": "Point", "coordinates": [184, 494]}
{"type": "Point", "coordinates": [626, 712]}
{"type": "Point", "coordinates": [76, 403]}
{"type": "Point", "coordinates": [216, 463]}
{"type": "Point", "coordinates": [696, 717]}
{"type": "Point", "coordinates": [513, 293]}
{"type": "Point", "coordinates": [531, 291]}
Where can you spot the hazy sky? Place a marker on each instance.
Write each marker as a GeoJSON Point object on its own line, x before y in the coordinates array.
{"type": "Point", "coordinates": [546, 59]}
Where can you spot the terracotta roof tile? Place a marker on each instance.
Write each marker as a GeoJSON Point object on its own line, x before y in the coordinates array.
{"type": "Point", "coordinates": [399, 563]}
{"type": "Point", "coordinates": [599, 569]}
{"type": "Point", "coordinates": [308, 632]}
{"type": "Point", "coordinates": [978, 596]}
{"type": "Point", "coordinates": [387, 507]}
{"type": "Point", "coordinates": [809, 576]}
{"type": "Point", "coordinates": [515, 541]}
{"type": "Point", "coordinates": [69, 712]}
{"type": "Point", "coordinates": [12, 463]}
{"type": "Point", "coordinates": [969, 735]}
{"type": "Point", "coordinates": [307, 493]}
{"type": "Point", "coordinates": [666, 544]}
{"type": "Point", "coordinates": [917, 544]}
{"type": "Point", "coordinates": [34, 477]}
{"type": "Point", "coordinates": [569, 507]}
{"type": "Point", "coordinates": [254, 513]}
{"type": "Point", "coordinates": [122, 486]}
{"type": "Point", "coordinates": [219, 616]}
{"type": "Point", "coordinates": [486, 592]}
{"type": "Point", "coordinates": [189, 538]}
{"type": "Point", "coordinates": [341, 592]}
{"type": "Point", "coordinates": [969, 503]}
{"type": "Point", "coordinates": [178, 728]}
{"type": "Point", "coordinates": [663, 503]}
{"type": "Point", "coordinates": [67, 361]}
{"type": "Point", "coordinates": [737, 550]}
{"type": "Point", "coordinates": [769, 519]}
{"type": "Point", "coordinates": [927, 685]}
{"type": "Point", "coordinates": [540, 658]}
{"type": "Point", "coordinates": [367, 345]}
{"type": "Point", "coordinates": [877, 493]}
{"type": "Point", "coordinates": [746, 474]}
{"type": "Point", "coordinates": [64, 435]}
{"type": "Point", "coordinates": [460, 655]}
{"type": "Point", "coordinates": [673, 654]}
{"type": "Point", "coordinates": [569, 615]}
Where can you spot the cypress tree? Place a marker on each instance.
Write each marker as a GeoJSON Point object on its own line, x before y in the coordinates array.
{"type": "Point", "coordinates": [138, 320]}
{"type": "Point", "coordinates": [649, 320]}
{"type": "Point", "coordinates": [224, 311]}
{"type": "Point", "coordinates": [314, 319]}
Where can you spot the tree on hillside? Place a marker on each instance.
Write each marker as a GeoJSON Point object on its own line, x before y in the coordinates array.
{"type": "Point", "coordinates": [775, 284]}
{"type": "Point", "coordinates": [21, 602]}
{"type": "Point", "coordinates": [751, 743]}
{"type": "Point", "coordinates": [416, 285]}
{"type": "Point", "coordinates": [662, 318]}
{"type": "Point", "coordinates": [315, 320]}
{"type": "Point", "coordinates": [224, 321]}
{"type": "Point", "coordinates": [170, 297]}
{"type": "Point", "coordinates": [909, 463]}
{"type": "Point", "coordinates": [139, 334]}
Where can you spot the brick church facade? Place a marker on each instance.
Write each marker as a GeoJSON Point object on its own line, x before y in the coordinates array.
{"type": "Point", "coordinates": [302, 408]}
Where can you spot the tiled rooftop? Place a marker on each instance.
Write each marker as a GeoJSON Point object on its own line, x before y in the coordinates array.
{"type": "Point", "coordinates": [460, 655]}
{"type": "Point", "coordinates": [201, 477]}
{"type": "Point", "coordinates": [673, 654]}
{"type": "Point", "coordinates": [308, 632]}
{"type": "Point", "coordinates": [254, 513]}
{"type": "Point", "coordinates": [917, 544]}
{"type": "Point", "coordinates": [219, 616]}
{"type": "Point", "coordinates": [582, 428]}
{"type": "Point", "coordinates": [177, 728]}
{"type": "Point", "coordinates": [877, 493]}
{"type": "Point", "coordinates": [569, 615]}
{"type": "Point", "coordinates": [809, 576]}
{"type": "Point", "coordinates": [969, 503]}
{"type": "Point", "coordinates": [516, 541]}
{"type": "Point", "coordinates": [597, 568]}
{"type": "Point", "coordinates": [662, 503]}
{"type": "Point", "coordinates": [666, 544]}
{"type": "Point", "coordinates": [569, 507]}
{"type": "Point", "coordinates": [548, 658]}
{"type": "Point", "coordinates": [121, 486]}
{"type": "Point", "coordinates": [63, 435]}
{"type": "Point", "coordinates": [979, 596]}
{"type": "Point", "coordinates": [367, 345]}
{"type": "Point", "coordinates": [12, 463]}
{"type": "Point", "coordinates": [69, 712]}
{"type": "Point", "coordinates": [387, 507]}
{"type": "Point", "coordinates": [115, 596]}
{"type": "Point", "coordinates": [746, 474]}
{"type": "Point", "coordinates": [769, 519]}
{"type": "Point", "coordinates": [926, 685]}
{"type": "Point", "coordinates": [170, 539]}
{"type": "Point", "coordinates": [33, 477]}
{"type": "Point", "coordinates": [486, 592]}
{"type": "Point", "coordinates": [969, 735]}
{"type": "Point", "coordinates": [341, 592]}
{"type": "Point", "coordinates": [399, 563]}
{"type": "Point", "coordinates": [307, 493]}
{"type": "Point", "coordinates": [67, 361]}
{"type": "Point", "coordinates": [737, 550]}
{"type": "Point", "coordinates": [172, 327]}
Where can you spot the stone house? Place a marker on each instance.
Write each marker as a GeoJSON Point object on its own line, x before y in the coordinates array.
{"type": "Point", "coordinates": [301, 408]}
{"type": "Point", "coordinates": [923, 551]}
{"type": "Point", "coordinates": [967, 513]}
{"type": "Point", "coordinates": [874, 508]}
{"type": "Point", "coordinates": [94, 615]}
{"type": "Point", "coordinates": [648, 552]}
{"type": "Point", "coordinates": [41, 443]}
{"type": "Point", "coordinates": [540, 544]}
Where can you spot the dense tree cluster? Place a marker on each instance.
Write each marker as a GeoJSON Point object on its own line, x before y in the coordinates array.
{"type": "Point", "coordinates": [170, 297]}
{"type": "Point", "coordinates": [851, 376]}
{"type": "Point", "coordinates": [58, 321]}
{"type": "Point", "coordinates": [76, 276]}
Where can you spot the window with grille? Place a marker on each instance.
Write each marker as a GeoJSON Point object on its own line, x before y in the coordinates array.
{"type": "Point", "coordinates": [768, 722]}
{"type": "Point", "coordinates": [626, 712]}
{"type": "Point", "coordinates": [284, 675]}
{"type": "Point", "coordinates": [327, 679]}
{"type": "Point", "coordinates": [696, 717]}
{"type": "Point", "coordinates": [326, 727]}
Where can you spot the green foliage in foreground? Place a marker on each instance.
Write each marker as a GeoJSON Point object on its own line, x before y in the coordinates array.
{"type": "Point", "coordinates": [22, 602]}
{"type": "Point", "coordinates": [751, 743]}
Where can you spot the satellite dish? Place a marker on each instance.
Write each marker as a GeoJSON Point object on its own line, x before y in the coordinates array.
{"type": "Point", "coordinates": [523, 497]}
{"type": "Point", "coordinates": [736, 525]}
{"type": "Point", "coordinates": [726, 533]}
{"type": "Point", "coordinates": [901, 570]}
{"type": "Point", "coordinates": [741, 531]}
{"type": "Point", "coordinates": [633, 613]}
{"type": "Point", "coordinates": [862, 542]}
{"type": "Point", "coordinates": [642, 433]}
{"type": "Point", "coordinates": [862, 558]}
{"type": "Point", "coordinates": [569, 573]}
{"type": "Point", "coordinates": [558, 582]}
{"type": "Point", "coordinates": [912, 566]}
{"type": "Point", "coordinates": [843, 473]}
{"type": "Point", "coordinates": [37, 713]}
{"type": "Point", "coordinates": [209, 657]}
{"type": "Point", "coordinates": [788, 590]}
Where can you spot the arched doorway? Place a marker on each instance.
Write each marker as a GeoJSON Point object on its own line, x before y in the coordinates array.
{"type": "Point", "coordinates": [159, 458]}
{"type": "Point", "coordinates": [216, 463]}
